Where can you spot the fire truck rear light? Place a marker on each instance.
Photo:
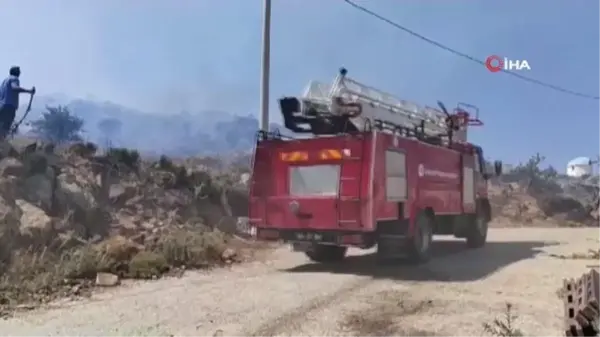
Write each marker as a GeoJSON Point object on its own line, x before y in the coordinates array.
{"type": "Point", "coordinates": [330, 154]}
{"type": "Point", "coordinates": [294, 156]}
{"type": "Point", "coordinates": [347, 152]}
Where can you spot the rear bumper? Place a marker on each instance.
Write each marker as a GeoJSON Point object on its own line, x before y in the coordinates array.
{"type": "Point", "coordinates": [359, 239]}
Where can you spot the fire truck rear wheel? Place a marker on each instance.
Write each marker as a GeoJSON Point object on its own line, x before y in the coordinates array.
{"type": "Point", "coordinates": [419, 245]}
{"type": "Point", "coordinates": [477, 232]}
{"type": "Point", "coordinates": [326, 253]}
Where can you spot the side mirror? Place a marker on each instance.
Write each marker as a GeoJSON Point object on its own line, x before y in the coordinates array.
{"type": "Point", "coordinates": [498, 167]}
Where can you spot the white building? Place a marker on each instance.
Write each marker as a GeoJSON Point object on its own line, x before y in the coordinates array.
{"type": "Point", "coordinates": [579, 167]}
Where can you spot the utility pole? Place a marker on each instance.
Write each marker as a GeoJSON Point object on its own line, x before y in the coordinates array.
{"type": "Point", "coordinates": [265, 67]}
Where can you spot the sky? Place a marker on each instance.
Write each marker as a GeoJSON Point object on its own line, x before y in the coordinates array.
{"type": "Point", "coordinates": [194, 55]}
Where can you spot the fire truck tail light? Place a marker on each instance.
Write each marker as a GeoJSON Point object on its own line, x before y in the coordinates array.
{"type": "Point", "coordinates": [294, 156]}
{"type": "Point", "coordinates": [330, 154]}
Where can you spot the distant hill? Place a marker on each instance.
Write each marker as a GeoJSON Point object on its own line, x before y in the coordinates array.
{"type": "Point", "coordinates": [183, 133]}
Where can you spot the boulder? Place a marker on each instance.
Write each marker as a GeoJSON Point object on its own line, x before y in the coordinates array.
{"type": "Point", "coordinates": [38, 190]}
{"type": "Point", "coordinates": [11, 167]}
{"type": "Point", "coordinates": [35, 226]}
{"type": "Point", "coordinates": [107, 280]}
{"type": "Point", "coordinates": [10, 216]}
{"type": "Point", "coordinates": [71, 192]}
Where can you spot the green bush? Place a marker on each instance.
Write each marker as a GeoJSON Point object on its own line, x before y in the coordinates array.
{"type": "Point", "coordinates": [128, 158]}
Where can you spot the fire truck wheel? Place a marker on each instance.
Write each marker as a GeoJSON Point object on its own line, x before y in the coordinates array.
{"type": "Point", "coordinates": [477, 232]}
{"type": "Point", "coordinates": [419, 246]}
{"type": "Point", "coordinates": [326, 253]}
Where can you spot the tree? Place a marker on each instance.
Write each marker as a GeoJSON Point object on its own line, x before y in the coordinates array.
{"type": "Point", "coordinates": [58, 125]}
{"type": "Point", "coordinates": [110, 128]}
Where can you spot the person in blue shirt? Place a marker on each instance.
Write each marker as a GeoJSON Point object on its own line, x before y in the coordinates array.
{"type": "Point", "coordinates": [10, 89]}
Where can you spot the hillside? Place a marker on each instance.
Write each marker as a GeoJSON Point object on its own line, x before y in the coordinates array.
{"type": "Point", "coordinates": [68, 213]}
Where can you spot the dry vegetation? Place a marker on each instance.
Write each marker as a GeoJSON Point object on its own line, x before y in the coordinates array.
{"type": "Point", "coordinates": [505, 325]}
{"type": "Point", "coordinates": [530, 196]}
{"type": "Point", "coordinates": [69, 214]}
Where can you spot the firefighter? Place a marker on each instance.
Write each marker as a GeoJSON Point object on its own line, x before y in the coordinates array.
{"type": "Point", "coordinates": [10, 89]}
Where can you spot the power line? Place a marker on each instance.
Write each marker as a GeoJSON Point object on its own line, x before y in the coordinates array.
{"type": "Point", "coordinates": [466, 56]}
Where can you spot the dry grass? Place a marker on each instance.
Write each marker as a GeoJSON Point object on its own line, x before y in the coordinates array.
{"type": "Point", "coordinates": [504, 326]}
{"type": "Point", "coordinates": [198, 249]}
{"type": "Point", "coordinates": [39, 277]}
{"type": "Point", "coordinates": [591, 254]}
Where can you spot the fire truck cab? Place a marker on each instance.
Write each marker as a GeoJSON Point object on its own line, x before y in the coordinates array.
{"type": "Point", "coordinates": [374, 171]}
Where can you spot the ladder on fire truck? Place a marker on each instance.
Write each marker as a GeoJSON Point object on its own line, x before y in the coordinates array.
{"type": "Point", "coordinates": [364, 106]}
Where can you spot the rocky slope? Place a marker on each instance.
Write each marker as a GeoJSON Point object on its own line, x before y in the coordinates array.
{"type": "Point", "coordinates": [530, 199]}
{"type": "Point", "coordinates": [70, 213]}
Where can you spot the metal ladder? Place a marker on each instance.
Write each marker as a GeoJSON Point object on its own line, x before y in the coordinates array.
{"type": "Point", "coordinates": [377, 104]}
{"type": "Point", "coordinates": [358, 180]}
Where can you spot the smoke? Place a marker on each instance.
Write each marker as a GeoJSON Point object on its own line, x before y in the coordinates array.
{"type": "Point", "coordinates": [158, 56]}
{"type": "Point", "coordinates": [203, 57]}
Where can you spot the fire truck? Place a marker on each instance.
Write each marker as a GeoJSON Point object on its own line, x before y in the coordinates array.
{"type": "Point", "coordinates": [369, 170]}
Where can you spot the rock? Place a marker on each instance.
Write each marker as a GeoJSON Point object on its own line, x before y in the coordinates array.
{"type": "Point", "coordinates": [119, 194]}
{"type": "Point", "coordinates": [35, 224]}
{"type": "Point", "coordinates": [70, 192]}
{"type": "Point", "coordinates": [7, 150]}
{"type": "Point", "coordinates": [36, 163]}
{"type": "Point", "coordinates": [127, 225]}
{"type": "Point", "coordinates": [11, 167]}
{"type": "Point", "coordinates": [28, 149]}
{"type": "Point", "coordinates": [228, 255]}
{"type": "Point", "coordinates": [10, 216]}
{"type": "Point", "coordinates": [554, 204]}
{"type": "Point", "coordinates": [76, 289]}
{"type": "Point", "coordinates": [107, 280]}
{"type": "Point", "coordinates": [37, 189]}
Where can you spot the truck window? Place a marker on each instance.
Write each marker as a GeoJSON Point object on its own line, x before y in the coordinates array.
{"type": "Point", "coordinates": [395, 169]}
{"type": "Point", "coordinates": [317, 180]}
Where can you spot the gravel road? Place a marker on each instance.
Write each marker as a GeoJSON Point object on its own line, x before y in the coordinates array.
{"type": "Point", "coordinates": [286, 295]}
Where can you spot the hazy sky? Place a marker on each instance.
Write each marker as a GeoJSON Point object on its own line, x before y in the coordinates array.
{"type": "Point", "coordinates": [205, 54]}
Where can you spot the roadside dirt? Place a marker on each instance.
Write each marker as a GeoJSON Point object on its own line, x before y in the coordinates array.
{"type": "Point", "coordinates": [285, 295]}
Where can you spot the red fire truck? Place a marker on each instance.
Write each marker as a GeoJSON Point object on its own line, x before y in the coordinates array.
{"type": "Point", "coordinates": [374, 170]}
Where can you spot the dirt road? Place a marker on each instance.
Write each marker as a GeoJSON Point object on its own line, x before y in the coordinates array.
{"type": "Point", "coordinates": [452, 295]}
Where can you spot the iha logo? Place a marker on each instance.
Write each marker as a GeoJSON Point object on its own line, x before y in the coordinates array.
{"type": "Point", "coordinates": [495, 63]}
